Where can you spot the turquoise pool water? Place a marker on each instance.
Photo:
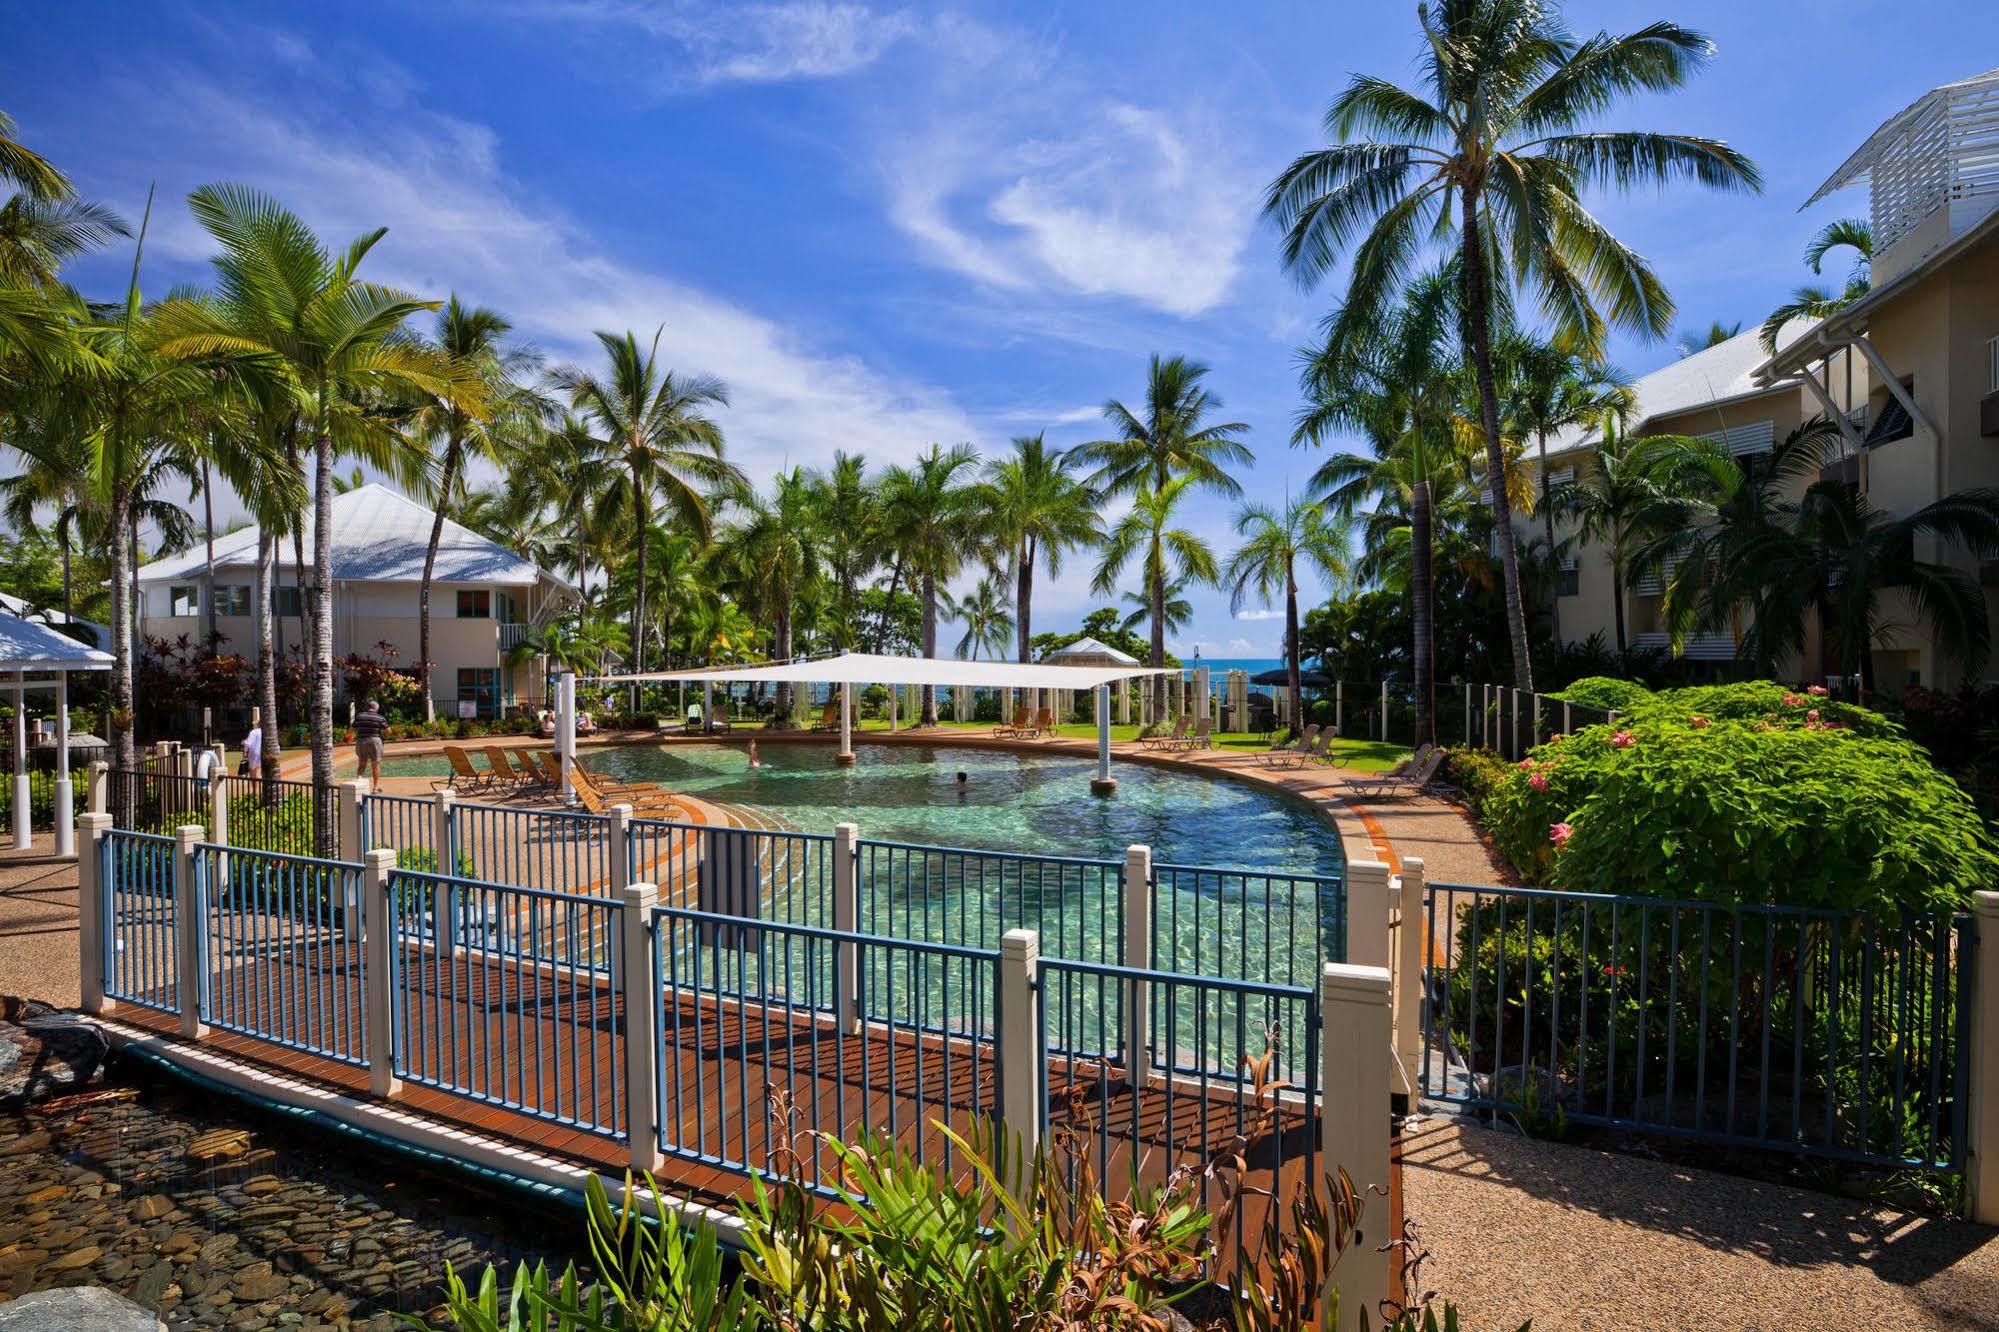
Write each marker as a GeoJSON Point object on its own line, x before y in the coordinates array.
{"type": "Point", "coordinates": [1037, 803]}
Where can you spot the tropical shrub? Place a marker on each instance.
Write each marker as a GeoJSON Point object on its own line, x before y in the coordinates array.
{"type": "Point", "coordinates": [1477, 773]}
{"type": "Point", "coordinates": [1604, 691]}
{"type": "Point", "coordinates": [1808, 805]}
{"type": "Point", "coordinates": [1760, 700]}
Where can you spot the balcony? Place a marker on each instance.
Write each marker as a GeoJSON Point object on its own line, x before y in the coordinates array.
{"type": "Point", "coordinates": [513, 635]}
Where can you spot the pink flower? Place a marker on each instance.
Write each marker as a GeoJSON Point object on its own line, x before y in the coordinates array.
{"type": "Point", "coordinates": [1700, 723]}
{"type": "Point", "coordinates": [1793, 700]}
{"type": "Point", "coordinates": [1556, 738]}
{"type": "Point", "coordinates": [1817, 691]}
{"type": "Point", "coordinates": [1559, 834]}
{"type": "Point", "coordinates": [1539, 781]}
{"type": "Point", "coordinates": [1813, 715]}
{"type": "Point", "coordinates": [1623, 740]}
{"type": "Point", "coordinates": [1527, 765]}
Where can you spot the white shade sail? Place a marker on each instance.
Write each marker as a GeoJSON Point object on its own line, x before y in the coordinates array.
{"type": "Point", "coordinates": [868, 668]}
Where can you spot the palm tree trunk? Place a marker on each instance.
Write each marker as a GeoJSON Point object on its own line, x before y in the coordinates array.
{"type": "Point", "coordinates": [123, 745]}
{"type": "Point", "coordinates": [1423, 611]}
{"type": "Point", "coordinates": [267, 656]}
{"type": "Point", "coordinates": [1617, 602]}
{"type": "Point", "coordinates": [1158, 595]}
{"type": "Point", "coordinates": [1478, 333]}
{"type": "Point", "coordinates": [783, 626]}
{"type": "Point", "coordinates": [444, 484]}
{"type": "Point", "coordinates": [1291, 653]}
{"type": "Point", "coordinates": [1023, 602]}
{"type": "Point", "coordinates": [68, 610]}
{"type": "Point", "coordinates": [1548, 524]}
{"type": "Point", "coordinates": [639, 596]}
{"type": "Point", "coordinates": [324, 833]}
{"type": "Point", "coordinates": [929, 717]}
{"type": "Point", "coordinates": [208, 521]}
{"type": "Point", "coordinates": [888, 604]}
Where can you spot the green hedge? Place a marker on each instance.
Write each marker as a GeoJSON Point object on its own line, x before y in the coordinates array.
{"type": "Point", "coordinates": [1604, 691]}
{"type": "Point", "coordinates": [1743, 793]}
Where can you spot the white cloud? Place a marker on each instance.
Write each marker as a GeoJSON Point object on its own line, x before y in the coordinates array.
{"type": "Point", "coordinates": [458, 224]}
{"type": "Point", "coordinates": [1263, 614]}
{"type": "Point", "coordinates": [750, 43]}
{"type": "Point", "coordinates": [1242, 647]}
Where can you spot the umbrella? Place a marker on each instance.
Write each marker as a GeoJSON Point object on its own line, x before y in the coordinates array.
{"type": "Point", "coordinates": [1307, 679]}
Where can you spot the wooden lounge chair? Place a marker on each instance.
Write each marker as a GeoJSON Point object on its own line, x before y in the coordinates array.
{"type": "Point", "coordinates": [1203, 736]}
{"type": "Point", "coordinates": [504, 776]}
{"type": "Point", "coordinates": [1164, 741]}
{"type": "Point", "coordinates": [550, 767]}
{"type": "Point", "coordinates": [829, 719]}
{"type": "Point", "coordinates": [464, 779]}
{"type": "Point", "coordinates": [1044, 723]}
{"type": "Point", "coordinates": [1291, 754]}
{"type": "Point", "coordinates": [1411, 783]}
{"type": "Point", "coordinates": [1017, 727]}
{"type": "Point", "coordinates": [656, 804]}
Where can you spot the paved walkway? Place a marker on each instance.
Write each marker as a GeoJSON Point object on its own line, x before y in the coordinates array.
{"type": "Point", "coordinates": [38, 926]}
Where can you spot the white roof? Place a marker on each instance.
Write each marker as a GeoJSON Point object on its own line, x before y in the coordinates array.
{"type": "Point", "coordinates": [866, 668]}
{"type": "Point", "coordinates": [1860, 165]}
{"type": "Point", "coordinates": [379, 535]}
{"type": "Point", "coordinates": [1720, 373]}
{"type": "Point", "coordinates": [50, 616]}
{"type": "Point", "coordinates": [28, 646]}
{"type": "Point", "coordinates": [1091, 649]}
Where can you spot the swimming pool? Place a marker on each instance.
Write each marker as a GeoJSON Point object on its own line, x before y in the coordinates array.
{"type": "Point", "coordinates": [1037, 803]}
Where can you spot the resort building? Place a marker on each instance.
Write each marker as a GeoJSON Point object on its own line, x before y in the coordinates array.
{"type": "Point", "coordinates": [484, 599]}
{"type": "Point", "coordinates": [1910, 372]}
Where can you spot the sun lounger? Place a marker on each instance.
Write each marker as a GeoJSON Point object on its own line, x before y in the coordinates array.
{"type": "Point", "coordinates": [1168, 741]}
{"type": "Point", "coordinates": [1044, 722]}
{"type": "Point", "coordinates": [1203, 736]}
{"type": "Point", "coordinates": [1292, 754]}
{"type": "Point", "coordinates": [1411, 783]}
{"type": "Point", "coordinates": [464, 779]}
{"type": "Point", "coordinates": [659, 805]}
{"type": "Point", "coordinates": [829, 720]}
{"type": "Point", "coordinates": [1016, 728]}
{"type": "Point", "coordinates": [504, 777]}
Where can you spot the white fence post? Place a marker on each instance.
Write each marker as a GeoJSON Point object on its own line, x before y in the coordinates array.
{"type": "Point", "coordinates": [619, 850]}
{"type": "Point", "coordinates": [189, 965]}
{"type": "Point", "coordinates": [1982, 1114]}
{"type": "Point", "coordinates": [1513, 722]}
{"type": "Point", "coordinates": [1339, 707]}
{"type": "Point", "coordinates": [1411, 950]}
{"type": "Point", "coordinates": [1020, 1037]}
{"type": "Point", "coordinates": [846, 919]}
{"type": "Point", "coordinates": [349, 795]}
{"type": "Point", "coordinates": [442, 930]}
{"type": "Point", "coordinates": [98, 778]}
{"type": "Point", "coordinates": [641, 1047]}
{"type": "Point", "coordinates": [1354, 1124]}
{"type": "Point", "coordinates": [1367, 914]}
{"type": "Point", "coordinates": [218, 811]}
{"type": "Point", "coordinates": [1384, 712]}
{"type": "Point", "coordinates": [1568, 724]}
{"type": "Point", "coordinates": [1137, 955]}
{"type": "Point", "coordinates": [90, 921]}
{"type": "Point", "coordinates": [377, 962]}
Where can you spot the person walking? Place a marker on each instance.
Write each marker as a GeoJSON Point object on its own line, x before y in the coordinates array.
{"type": "Point", "coordinates": [369, 727]}
{"type": "Point", "coordinates": [252, 765]}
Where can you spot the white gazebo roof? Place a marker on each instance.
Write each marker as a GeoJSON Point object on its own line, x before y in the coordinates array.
{"type": "Point", "coordinates": [28, 645]}
{"type": "Point", "coordinates": [867, 668]}
{"type": "Point", "coordinates": [1091, 651]}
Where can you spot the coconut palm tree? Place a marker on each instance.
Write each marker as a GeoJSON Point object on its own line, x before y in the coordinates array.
{"type": "Point", "coordinates": [27, 170]}
{"type": "Point", "coordinates": [1491, 156]}
{"type": "Point", "coordinates": [473, 336]}
{"type": "Point", "coordinates": [1171, 438]}
{"type": "Point", "coordinates": [1630, 492]}
{"type": "Point", "coordinates": [1275, 543]}
{"type": "Point", "coordinates": [1179, 610]}
{"type": "Point", "coordinates": [770, 558]}
{"type": "Point", "coordinates": [1816, 302]}
{"type": "Point", "coordinates": [1039, 510]}
{"type": "Point", "coordinates": [39, 236]}
{"type": "Point", "coordinates": [657, 424]}
{"type": "Point", "coordinates": [935, 521]}
{"type": "Point", "coordinates": [846, 515]}
{"type": "Point", "coordinates": [988, 623]}
{"type": "Point", "coordinates": [1165, 553]}
{"type": "Point", "coordinates": [1696, 340]}
{"type": "Point", "coordinates": [577, 474]}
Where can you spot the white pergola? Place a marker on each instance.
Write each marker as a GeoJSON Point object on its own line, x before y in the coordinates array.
{"type": "Point", "coordinates": [852, 668]}
{"type": "Point", "coordinates": [29, 649]}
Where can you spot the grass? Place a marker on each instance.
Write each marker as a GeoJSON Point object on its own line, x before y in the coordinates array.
{"type": "Point", "coordinates": [1361, 755]}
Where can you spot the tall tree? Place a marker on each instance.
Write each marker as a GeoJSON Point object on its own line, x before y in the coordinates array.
{"type": "Point", "coordinates": [1815, 302]}
{"type": "Point", "coordinates": [1171, 438]}
{"type": "Point", "coordinates": [1491, 155]}
{"type": "Point", "coordinates": [658, 424]}
{"type": "Point", "coordinates": [770, 556]}
{"type": "Point", "coordinates": [988, 625]}
{"type": "Point", "coordinates": [846, 512]}
{"type": "Point", "coordinates": [934, 519]}
{"type": "Point", "coordinates": [1039, 510]}
{"type": "Point", "coordinates": [1627, 494]}
{"type": "Point", "coordinates": [1265, 566]}
{"type": "Point", "coordinates": [1165, 553]}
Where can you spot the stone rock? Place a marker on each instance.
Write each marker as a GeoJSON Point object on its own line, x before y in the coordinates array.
{"type": "Point", "coordinates": [262, 1185]}
{"type": "Point", "coordinates": [74, 1259]}
{"type": "Point", "coordinates": [25, 1143]}
{"type": "Point", "coordinates": [220, 1144]}
{"type": "Point", "coordinates": [251, 1287]}
{"type": "Point", "coordinates": [152, 1207]}
{"type": "Point", "coordinates": [77, 1309]}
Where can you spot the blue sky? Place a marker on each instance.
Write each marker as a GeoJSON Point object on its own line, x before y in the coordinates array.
{"type": "Point", "coordinates": [886, 226]}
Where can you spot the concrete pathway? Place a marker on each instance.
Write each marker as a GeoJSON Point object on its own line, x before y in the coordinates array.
{"type": "Point", "coordinates": [38, 926]}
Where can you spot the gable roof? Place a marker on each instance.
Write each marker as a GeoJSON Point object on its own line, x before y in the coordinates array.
{"type": "Point", "coordinates": [32, 646]}
{"type": "Point", "coordinates": [1091, 650]}
{"type": "Point", "coordinates": [379, 535]}
{"type": "Point", "coordinates": [1718, 374]}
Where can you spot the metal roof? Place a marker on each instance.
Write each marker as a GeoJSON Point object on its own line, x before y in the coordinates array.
{"type": "Point", "coordinates": [379, 535]}
{"type": "Point", "coordinates": [1857, 167]}
{"type": "Point", "coordinates": [26, 645]}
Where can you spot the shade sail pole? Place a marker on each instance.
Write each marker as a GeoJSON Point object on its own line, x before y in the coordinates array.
{"type": "Point", "coordinates": [1103, 783]}
{"type": "Point", "coordinates": [565, 731]}
{"type": "Point", "coordinates": [24, 836]}
{"type": "Point", "coordinates": [846, 754]}
{"type": "Point", "coordinates": [65, 801]}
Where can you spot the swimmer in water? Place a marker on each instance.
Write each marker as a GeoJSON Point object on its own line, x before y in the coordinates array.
{"type": "Point", "coordinates": [755, 762]}
{"type": "Point", "coordinates": [963, 781]}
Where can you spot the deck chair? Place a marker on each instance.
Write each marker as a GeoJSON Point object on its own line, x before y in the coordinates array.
{"type": "Point", "coordinates": [1292, 754]}
{"type": "Point", "coordinates": [464, 779]}
{"type": "Point", "coordinates": [504, 777]}
{"type": "Point", "coordinates": [1044, 722]}
{"type": "Point", "coordinates": [1203, 736]}
{"type": "Point", "coordinates": [829, 719]}
{"type": "Point", "coordinates": [1179, 734]}
{"type": "Point", "coordinates": [1017, 727]}
{"type": "Point", "coordinates": [525, 773]}
{"type": "Point", "coordinates": [1413, 762]}
{"type": "Point", "coordinates": [550, 767]}
{"type": "Point", "coordinates": [1410, 783]}
{"type": "Point", "coordinates": [655, 803]}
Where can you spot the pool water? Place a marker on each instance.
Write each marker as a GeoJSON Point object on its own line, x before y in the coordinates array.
{"type": "Point", "coordinates": [1037, 803]}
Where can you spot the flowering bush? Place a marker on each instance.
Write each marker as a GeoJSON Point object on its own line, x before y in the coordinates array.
{"type": "Point", "coordinates": [1823, 804]}
{"type": "Point", "coordinates": [1604, 691]}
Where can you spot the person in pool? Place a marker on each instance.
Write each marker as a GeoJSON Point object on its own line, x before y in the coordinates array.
{"type": "Point", "coordinates": [963, 781]}
{"type": "Point", "coordinates": [755, 762]}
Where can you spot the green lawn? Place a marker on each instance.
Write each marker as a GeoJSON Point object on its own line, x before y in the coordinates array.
{"type": "Point", "coordinates": [1359, 754]}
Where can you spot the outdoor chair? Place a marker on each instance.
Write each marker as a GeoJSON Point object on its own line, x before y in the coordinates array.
{"type": "Point", "coordinates": [1411, 783]}
{"type": "Point", "coordinates": [1292, 754]}
{"type": "Point", "coordinates": [464, 779]}
{"type": "Point", "coordinates": [503, 769]}
{"type": "Point", "coordinates": [656, 803]}
{"type": "Point", "coordinates": [829, 719]}
{"type": "Point", "coordinates": [1044, 723]}
{"type": "Point", "coordinates": [1166, 741]}
{"type": "Point", "coordinates": [1203, 736]}
{"type": "Point", "coordinates": [1017, 727]}
{"type": "Point", "coordinates": [526, 776]}
{"type": "Point", "coordinates": [550, 767]}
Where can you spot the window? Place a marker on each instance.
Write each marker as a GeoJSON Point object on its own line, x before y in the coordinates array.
{"type": "Point", "coordinates": [1992, 351]}
{"type": "Point", "coordinates": [183, 601]}
{"type": "Point", "coordinates": [1746, 440]}
{"type": "Point", "coordinates": [475, 605]}
{"type": "Point", "coordinates": [233, 599]}
{"type": "Point", "coordinates": [288, 602]}
{"type": "Point", "coordinates": [480, 686]}
{"type": "Point", "coordinates": [504, 605]}
{"type": "Point", "coordinates": [1568, 580]}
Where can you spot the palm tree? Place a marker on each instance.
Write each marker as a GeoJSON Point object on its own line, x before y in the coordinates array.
{"type": "Point", "coordinates": [657, 424]}
{"type": "Point", "coordinates": [1491, 154]}
{"type": "Point", "coordinates": [290, 308]}
{"type": "Point", "coordinates": [846, 515]}
{"type": "Point", "coordinates": [1629, 493]}
{"type": "Point", "coordinates": [1275, 543]}
{"type": "Point", "coordinates": [1815, 302]}
{"type": "Point", "coordinates": [471, 336]}
{"type": "Point", "coordinates": [26, 169]}
{"type": "Point", "coordinates": [1165, 553]}
{"type": "Point", "coordinates": [1173, 438]}
{"type": "Point", "coordinates": [38, 236]}
{"type": "Point", "coordinates": [770, 558]}
{"type": "Point", "coordinates": [1696, 340]}
{"type": "Point", "coordinates": [935, 522]}
{"type": "Point", "coordinates": [579, 474]}
{"type": "Point", "coordinates": [1039, 511]}
{"type": "Point", "coordinates": [1179, 610]}
{"type": "Point", "coordinates": [988, 623]}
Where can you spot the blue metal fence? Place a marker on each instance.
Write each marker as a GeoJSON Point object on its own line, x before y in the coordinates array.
{"type": "Point", "coordinates": [949, 895]}
{"type": "Point", "coordinates": [1810, 1031]}
{"type": "Point", "coordinates": [1247, 925]}
{"type": "Point", "coordinates": [535, 848]}
{"type": "Point", "coordinates": [281, 949]}
{"type": "Point", "coordinates": [135, 876]}
{"type": "Point", "coordinates": [515, 1002]}
{"type": "Point", "coordinates": [406, 825]}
